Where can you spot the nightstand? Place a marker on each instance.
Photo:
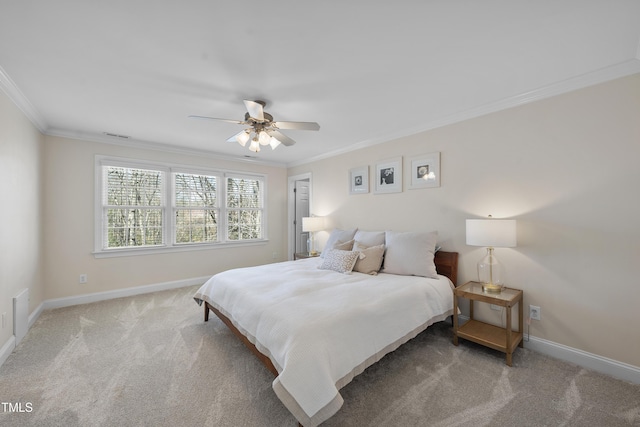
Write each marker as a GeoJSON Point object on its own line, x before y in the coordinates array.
{"type": "Point", "coordinates": [502, 339]}
{"type": "Point", "coordinates": [303, 255]}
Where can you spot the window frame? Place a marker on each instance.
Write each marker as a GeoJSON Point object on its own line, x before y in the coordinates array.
{"type": "Point", "coordinates": [169, 208]}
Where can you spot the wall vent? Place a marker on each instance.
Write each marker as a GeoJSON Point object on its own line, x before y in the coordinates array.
{"type": "Point", "coordinates": [115, 135]}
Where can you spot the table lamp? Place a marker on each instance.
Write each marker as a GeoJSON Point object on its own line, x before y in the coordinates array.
{"type": "Point", "coordinates": [311, 224]}
{"type": "Point", "coordinates": [491, 233]}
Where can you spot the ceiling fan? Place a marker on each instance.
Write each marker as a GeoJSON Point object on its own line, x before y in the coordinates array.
{"type": "Point", "coordinates": [262, 129]}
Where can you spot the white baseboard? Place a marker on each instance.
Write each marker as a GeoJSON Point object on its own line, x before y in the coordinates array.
{"type": "Point", "coordinates": [7, 349]}
{"type": "Point", "coordinates": [120, 293]}
{"type": "Point", "coordinates": [35, 314]}
{"type": "Point", "coordinates": [10, 345]}
{"type": "Point", "coordinates": [587, 360]}
{"type": "Point", "coordinates": [578, 357]}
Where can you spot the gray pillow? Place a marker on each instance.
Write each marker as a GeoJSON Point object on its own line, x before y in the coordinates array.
{"type": "Point", "coordinates": [410, 253]}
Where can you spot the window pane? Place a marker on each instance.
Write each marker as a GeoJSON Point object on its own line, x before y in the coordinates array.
{"type": "Point", "coordinates": [195, 190]}
{"type": "Point", "coordinates": [134, 227]}
{"type": "Point", "coordinates": [244, 193]}
{"type": "Point", "coordinates": [244, 224]}
{"type": "Point", "coordinates": [133, 187]}
{"type": "Point", "coordinates": [196, 226]}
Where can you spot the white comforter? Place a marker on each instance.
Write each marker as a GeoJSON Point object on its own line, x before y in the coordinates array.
{"type": "Point", "coordinates": [320, 328]}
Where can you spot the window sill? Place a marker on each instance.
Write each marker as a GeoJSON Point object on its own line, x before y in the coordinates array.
{"type": "Point", "coordinates": [114, 253]}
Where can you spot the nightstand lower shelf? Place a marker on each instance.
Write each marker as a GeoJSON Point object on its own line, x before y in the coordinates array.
{"type": "Point", "coordinates": [489, 335]}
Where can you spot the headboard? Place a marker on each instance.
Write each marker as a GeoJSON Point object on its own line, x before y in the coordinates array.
{"type": "Point", "coordinates": [447, 265]}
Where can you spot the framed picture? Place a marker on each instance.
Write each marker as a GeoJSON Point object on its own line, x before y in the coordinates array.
{"type": "Point", "coordinates": [389, 176]}
{"type": "Point", "coordinates": [425, 171]}
{"type": "Point", "coordinates": [359, 180]}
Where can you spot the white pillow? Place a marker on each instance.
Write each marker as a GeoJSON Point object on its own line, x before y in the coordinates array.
{"type": "Point", "coordinates": [410, 253]}
{"type": "Point", "coordinates": [340, 261]}
{"type": "Point", "coordinates": [369, 238]}
{"type": "Point", "coordinates": [336, 237]}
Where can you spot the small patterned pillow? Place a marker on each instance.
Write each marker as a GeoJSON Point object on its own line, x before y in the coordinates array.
{"type": "Point", "coordinates": [340, 261]}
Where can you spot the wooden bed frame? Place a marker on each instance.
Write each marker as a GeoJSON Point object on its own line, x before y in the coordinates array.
{"type": "Point", "coordinates": [446, 264]}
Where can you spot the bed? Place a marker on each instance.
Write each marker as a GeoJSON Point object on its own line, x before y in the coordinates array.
{"type": "Point", "coordinates": [317, 327]}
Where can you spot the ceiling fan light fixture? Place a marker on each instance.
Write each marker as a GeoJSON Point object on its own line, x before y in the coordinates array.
{"type": "Point", "coordinates": [243, 137]}
{"type": "Point", "coordinates": [255, 145]}
{"type": "Point", "coordinates": [273, 142]}
{"type": "Point", "coordinates": [263, 138]}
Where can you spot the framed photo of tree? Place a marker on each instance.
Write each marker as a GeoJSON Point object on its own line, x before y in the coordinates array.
{"type": "Point", "coordinates": [425, 171]}
{"type": "Point", "coordinates": [359, 180]}
{"type": "Point", "coordinates": [389, 176]}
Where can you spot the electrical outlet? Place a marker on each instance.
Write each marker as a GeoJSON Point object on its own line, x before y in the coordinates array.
{"type": "Point", "coordinates": [83, 279]}
{"type": "Point", "coordinates": [534, 312]}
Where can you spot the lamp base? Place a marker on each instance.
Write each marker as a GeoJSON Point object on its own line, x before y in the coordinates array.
{"type": "Point", "coordinates": [491, 288]}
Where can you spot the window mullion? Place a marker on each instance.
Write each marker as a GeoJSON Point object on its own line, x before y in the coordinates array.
{"type": "Point", "coordinates": [222, 208]}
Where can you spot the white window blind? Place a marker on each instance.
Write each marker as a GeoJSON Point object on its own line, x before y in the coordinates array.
{"type": "Point", "coordinates": [146, 207]}
{"type": "Point", "coordinates": [196, 208]}
{"type": "Point", "coordinates": [244, 208]}
{"type": "Point", "coordinates": [133, 207]}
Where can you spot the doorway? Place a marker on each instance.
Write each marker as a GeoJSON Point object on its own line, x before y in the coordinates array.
{"type": "Point", "coordinates": [299, 196]}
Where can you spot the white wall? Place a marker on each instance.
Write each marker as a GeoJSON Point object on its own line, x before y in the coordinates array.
{"type": "Point", "coordinates": [69, 224]}
{"type": "Point", "coordinates": [566, 168]}
{"type": "Point", "coordinates": [20, 212]}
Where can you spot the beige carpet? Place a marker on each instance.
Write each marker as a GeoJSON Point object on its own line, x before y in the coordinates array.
{"type": "Point", "coordinates": [150, 360]}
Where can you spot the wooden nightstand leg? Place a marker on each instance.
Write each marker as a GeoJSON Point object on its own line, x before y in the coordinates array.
{"type": "Point", "coordinates": [509, 334]}
{"type": "Point", "coordinates": [520, 323]}
{"type": "Point", "coordinates": [455, 319]}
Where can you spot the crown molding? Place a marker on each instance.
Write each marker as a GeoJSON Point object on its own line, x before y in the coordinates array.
{"type": "Point", "coordinates": [613, 72]}
{"type": "Point", "coordinates": [20, 100]}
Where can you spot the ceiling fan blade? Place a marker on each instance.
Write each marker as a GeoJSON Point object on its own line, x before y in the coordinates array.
{"type": "Point", "coordinates": [284, 139]}
{"type": "Point", "coordinates": [255, 110]}
{"type": "Point", "coordinates": [297, 125]}
{"type": "Point", "coordinates": [221, 120]}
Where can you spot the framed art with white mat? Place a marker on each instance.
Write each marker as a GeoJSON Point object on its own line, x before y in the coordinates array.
{"type": "Point", "coordinates": [425, 171]}
{"type": "Point", "coordinates": [389, 176]}
{"type": "Point", "coordinates": [359, 180]}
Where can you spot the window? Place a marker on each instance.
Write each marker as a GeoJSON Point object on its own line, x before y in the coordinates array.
{"type": "Point", "coordinates": [244, 208]}
{"type": "Point", "coordinates": [196, 208]}
{"type": "Point", "coordinates": [145, 207]}
{"type": "Point", "coordinates": [133, 207]}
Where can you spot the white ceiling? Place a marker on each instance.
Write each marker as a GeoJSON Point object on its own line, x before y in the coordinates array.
{"type": "Point", "coordinates": [365, 71]}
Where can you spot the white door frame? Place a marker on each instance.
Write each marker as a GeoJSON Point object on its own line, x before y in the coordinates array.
{"type": "Point", "coordinates": [291, 235]}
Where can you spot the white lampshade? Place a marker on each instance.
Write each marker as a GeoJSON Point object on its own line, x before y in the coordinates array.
{"type": "Point", "coordinates": [491, 233]}
{"type": "Point", "coordinates": [255, 145]}
{"type": "Point", "coordinates": [312, 223]}
{"type": "Point", "coordinates": [243, 137]}
{"type": "Point", "coordinates": [263, 138]}
{"type": "Point", "coordinates": [274, 143]}
{"type": "Point", "coordinates": [498, 233]}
